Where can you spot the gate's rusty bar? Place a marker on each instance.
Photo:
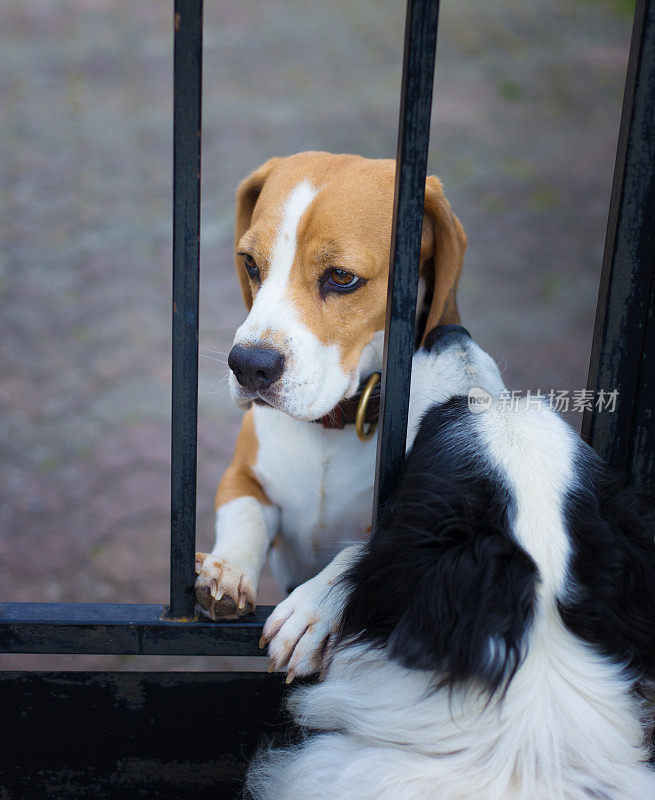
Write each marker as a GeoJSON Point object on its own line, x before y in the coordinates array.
{"type": "Point", "coordinates": [411, 167]}
{"type": "Point", "coordinates": [187, 82]}
{"type": "Point", "coordinates": [623, 352]}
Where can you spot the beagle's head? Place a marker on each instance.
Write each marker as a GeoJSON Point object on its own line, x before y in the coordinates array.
{"type": "Point", "coordinates": [312, 249]}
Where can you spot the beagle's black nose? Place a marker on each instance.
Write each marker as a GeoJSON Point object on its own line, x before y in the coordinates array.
{"type": "Point", "coordinates": [256, 367]}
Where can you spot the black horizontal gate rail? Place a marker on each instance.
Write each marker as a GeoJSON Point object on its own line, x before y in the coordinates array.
{"type": "Point", "coordinates": [123, 629]}
{"type": "Point", "coordinates": [623, 351]}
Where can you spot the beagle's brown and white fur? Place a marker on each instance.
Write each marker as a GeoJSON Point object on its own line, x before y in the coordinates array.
{"type": "Point", "coordinates": [312, 253]}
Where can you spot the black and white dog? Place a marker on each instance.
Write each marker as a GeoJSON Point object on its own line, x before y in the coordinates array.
{"type": "Point", "coordinates": [495, 628]}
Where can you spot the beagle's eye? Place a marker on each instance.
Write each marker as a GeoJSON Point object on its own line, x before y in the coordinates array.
{"type": "Point", "coordinates": [251, 268]}
{"type": "Point", "coordinates": [340, 280]}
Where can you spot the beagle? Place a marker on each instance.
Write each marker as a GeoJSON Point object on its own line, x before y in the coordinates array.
{"type": "Point", "coordinates": [312, 250]}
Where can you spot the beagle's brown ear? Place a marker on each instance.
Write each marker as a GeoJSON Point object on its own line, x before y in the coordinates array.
{"type": "Point", "coordinates": [247, 195]}
{"type": "Point", "coordinates": [442, 253]}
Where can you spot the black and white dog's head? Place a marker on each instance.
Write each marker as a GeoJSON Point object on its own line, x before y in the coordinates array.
{"type": "Point", "coordinates": [500, 516]}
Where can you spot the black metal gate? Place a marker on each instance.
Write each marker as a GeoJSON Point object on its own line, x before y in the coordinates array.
{"type": "Point", "coordinates": [108, 735]}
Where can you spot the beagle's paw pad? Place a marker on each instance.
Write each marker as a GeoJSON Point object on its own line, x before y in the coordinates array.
{"type": "Point", "coordinates": [301, 628]}
{"type": "Point", "coordinates": [222, 590]}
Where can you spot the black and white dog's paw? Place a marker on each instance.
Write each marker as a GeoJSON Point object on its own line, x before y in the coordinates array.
{"type": "Point", "coordinates": [300, 629]}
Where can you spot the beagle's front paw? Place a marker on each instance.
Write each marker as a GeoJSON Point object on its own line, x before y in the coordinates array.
{"type": "Point", "coordinates": [301, 628]}
{"type": "Point", "coordinates": [222, 590]}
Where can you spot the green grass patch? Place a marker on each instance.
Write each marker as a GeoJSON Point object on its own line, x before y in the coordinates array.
{"type": "Point", "coordinates": [625, 8]}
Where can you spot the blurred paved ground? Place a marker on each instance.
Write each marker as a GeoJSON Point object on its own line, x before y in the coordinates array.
{"type": "Point", "coordinates": [525, 124]}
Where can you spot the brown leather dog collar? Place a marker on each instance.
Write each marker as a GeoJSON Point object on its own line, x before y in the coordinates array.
{"type": "Point", "coordinates": [345, 412]}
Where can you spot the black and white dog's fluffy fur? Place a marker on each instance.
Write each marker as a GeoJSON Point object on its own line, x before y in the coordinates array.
{"type": "Point", "coordinates": [495, 628]}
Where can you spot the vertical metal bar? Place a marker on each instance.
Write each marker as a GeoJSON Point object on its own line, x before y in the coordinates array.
{"type": "Point", "coordinates": [623, 350]}
{"type": "Point", "coordinates": [187, 85]}
{"type": "Point", "coordinates": [411, 167]}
